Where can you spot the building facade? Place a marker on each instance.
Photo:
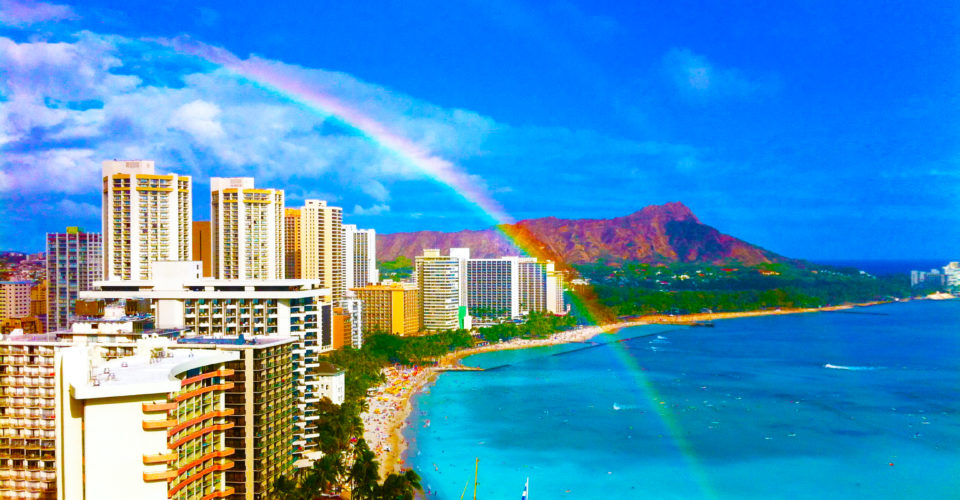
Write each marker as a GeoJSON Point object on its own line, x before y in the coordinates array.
{"type": "Point", "coordinates": [15, 299]}
{"type": "Point", "coordinates": [390, 308]}
{"type": "Point", "coordinates": [247, 230]}
{"type": "Point", "coordinates": [74, 262]}
{"type": "Point", "coordinates": [265, 416]}
{"type": "Point", "coordinates": [321, 243]}
{"type": "Point", "coordinates": [146, 218]}
{"type": "Point", "coordinates": [541, 287]}
{"type": "Point", "coordinates": [167, 407]}
{"type": "Point", "coordinates": [438, 282]}
{"type": "Point", "coordinates": [291, 245]}
{"type": "Point", "coordinates": [493, 289]}
{"type": "Point", "coordinates": [360, 256]}
{"type": "Point", "coordinates": [252, 308]}
{"type": "Point", "coordinates": [201, 246]}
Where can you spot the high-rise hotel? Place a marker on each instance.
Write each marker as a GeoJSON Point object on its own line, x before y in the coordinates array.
{"type": "Point", "coordinates": [247, 228]}
{"type": "Point", "coordinates": [146, 218]}
{"type": "Point", "coordinates": [438, 282]}
{"type": "Point", "coordinates": [321, 247]}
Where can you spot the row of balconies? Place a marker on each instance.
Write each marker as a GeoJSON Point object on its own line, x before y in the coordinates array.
{"type": "Point", "coordinates": [29, 413]}
{"type": "Point", "coordinates": [27, 402]}
{"type": "Point", "coordinates": [27, 381]}
{"type": "Point", "coordinates": [25, 459]}
{"type": "Point", "coordinates": [34, 392]}
{"type": "Point", "coordinates": [29, 475]}
{"type": "Point", "coordinates": [28, 433]}
{"type": "Point", "coordinates": [26, 487]}
{"type": "Point", "coordinates": [27, 444]}
{"type": "Point", "coordinates": [28, 360]}
{"type": "Point", "coordinates": [31, 350]}
{"type": "Point", "coordinates": [26, 423]}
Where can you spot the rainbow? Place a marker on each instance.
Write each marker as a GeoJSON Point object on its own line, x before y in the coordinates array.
{"type": "Point", "coordinates": [465, 186]}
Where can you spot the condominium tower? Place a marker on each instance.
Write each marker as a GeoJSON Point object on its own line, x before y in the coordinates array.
{"type": "Point", "coordinates": [360, 256]}
{"type": "Point", "coordinates": [247, 227]}
{"type": "Point", "coordinates": [146, 218]}
{"type": "Point", "coordinates": [390, 308]}
{"type": "Point", "coordinates": [493, 289]}
{"type": "Point", "coordinates": [321, 244]}
{"type": "Point", "coordinates": [438, 279]}
{"type": "Point", "coordinates": [541, 287]}
{"type": "Point", "coordinates": [15, 299]}
{"type": "Point", "coordinates": [74, 262]}
{"type": "Point", "coordinates": [291, 246]}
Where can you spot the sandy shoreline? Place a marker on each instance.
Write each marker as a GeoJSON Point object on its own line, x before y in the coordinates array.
{"type": "Point", "coordinates": [390, 406]}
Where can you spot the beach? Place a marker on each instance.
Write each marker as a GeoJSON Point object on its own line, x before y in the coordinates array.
{"type": "Point", "coordinates": [389, 406]}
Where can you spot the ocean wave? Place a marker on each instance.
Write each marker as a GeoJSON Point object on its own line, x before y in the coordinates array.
{"type": "Point", "coordinates": [853, 368]}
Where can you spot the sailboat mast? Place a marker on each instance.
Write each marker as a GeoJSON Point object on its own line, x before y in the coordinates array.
{"type": "Point", "coordinates": [476, 471]}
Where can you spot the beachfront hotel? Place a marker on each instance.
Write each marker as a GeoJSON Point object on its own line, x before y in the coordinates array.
{"type": "Point", "coordinates": [438, 282]}
{"type": "Point", "coordinates": [181, 299]}
{"type": "Point", "coordinates": [74, 261]}
{"type": "Point", "coordinates": [168, 409]}
{"type": "Point", "coordinates": [265, 414]}
{"type": "Point", "coordinates": [28, 424]}
{"type": "Point", "coordinates": [146, 218]}
{"type": "Point", "coordinates": [247, 230]}
{"type": "Point", "coordinates": [541, 287]}
{"type": "Point", "coordinates": [390, 308]}
{"type": "Point", "coordinates": [492, 289]}
{"type": "Point", "coordinates": [360, 256]}
{"type": "Point", "coordinates": [321, 246]}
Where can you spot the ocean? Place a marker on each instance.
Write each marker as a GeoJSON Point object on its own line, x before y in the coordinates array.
{"type": "Point", "coordinates": [852, 404]}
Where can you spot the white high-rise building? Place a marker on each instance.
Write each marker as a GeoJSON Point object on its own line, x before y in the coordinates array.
{"type": "Point", "coordinates": [360, 256]}
{"type": "Point", "coordinates": [146, 218]}
{"type": "Point", "coordinates": [541, 287]}
{"type": "Point", "coordinates": [493, 289]}
{"type": "Point", "coordinates": [182, 299]}
{"type": "Point", "coordinates": [438, 279]}
{"type": "Point", "coordinates": [321, 246]}
{"type": "Point", "coordinates": [247, 226]}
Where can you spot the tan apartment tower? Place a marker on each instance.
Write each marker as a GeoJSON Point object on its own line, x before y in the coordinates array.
{"type": "Point", "coordinates": [146, 218]}
{"type": "Point", "coordinates": [291, 247]}
{"type": "Point", "coordinates": [390, 308]}
{"type": "Point", "coordinates": [247, 228]}
{"type": "Point", "coordinates": [201, 246]}
{"type": "Point", "coordinates": [321, 244]}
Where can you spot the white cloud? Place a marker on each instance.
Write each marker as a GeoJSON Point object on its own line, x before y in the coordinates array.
{"type": "Point", "coordinates": [199, 118]}
{"type": "Point", "coordinates": [373, 210]}
{"type": "Point", "coordinates": [78, 209]}
{"type": "Point", "coordinates": [20, 13]}
{"type": "Point", "coordinates": [695, 76]}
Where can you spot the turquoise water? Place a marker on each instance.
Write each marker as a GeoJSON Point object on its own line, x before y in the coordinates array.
{"type": "Point", "coordinates": [749, 410]}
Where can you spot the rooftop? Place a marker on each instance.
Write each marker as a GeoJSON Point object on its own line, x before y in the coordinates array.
{"type": "Point", "coordinates": [152, 371]}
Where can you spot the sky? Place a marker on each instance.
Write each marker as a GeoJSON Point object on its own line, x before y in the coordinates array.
{"type": "Point", "coordinates": [818, 130]}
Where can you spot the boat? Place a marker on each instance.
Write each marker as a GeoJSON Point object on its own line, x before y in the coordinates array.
{"type": "Point", "coordinates": [526, 490]}
{"type": "Point", "coordinates": [705, 324]}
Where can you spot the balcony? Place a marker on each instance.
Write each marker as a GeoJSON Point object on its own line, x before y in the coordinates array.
{"type": "Point", "coordinates": [150, 425]}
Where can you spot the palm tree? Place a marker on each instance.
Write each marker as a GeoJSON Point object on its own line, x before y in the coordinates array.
{"type": "Point", "coordinates": [364, 473]}
{"type": "Point", "coordinates": [403, 486]}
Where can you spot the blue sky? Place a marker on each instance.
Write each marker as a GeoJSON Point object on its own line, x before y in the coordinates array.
{"type": "Point", "coordinates": [821, 130]}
